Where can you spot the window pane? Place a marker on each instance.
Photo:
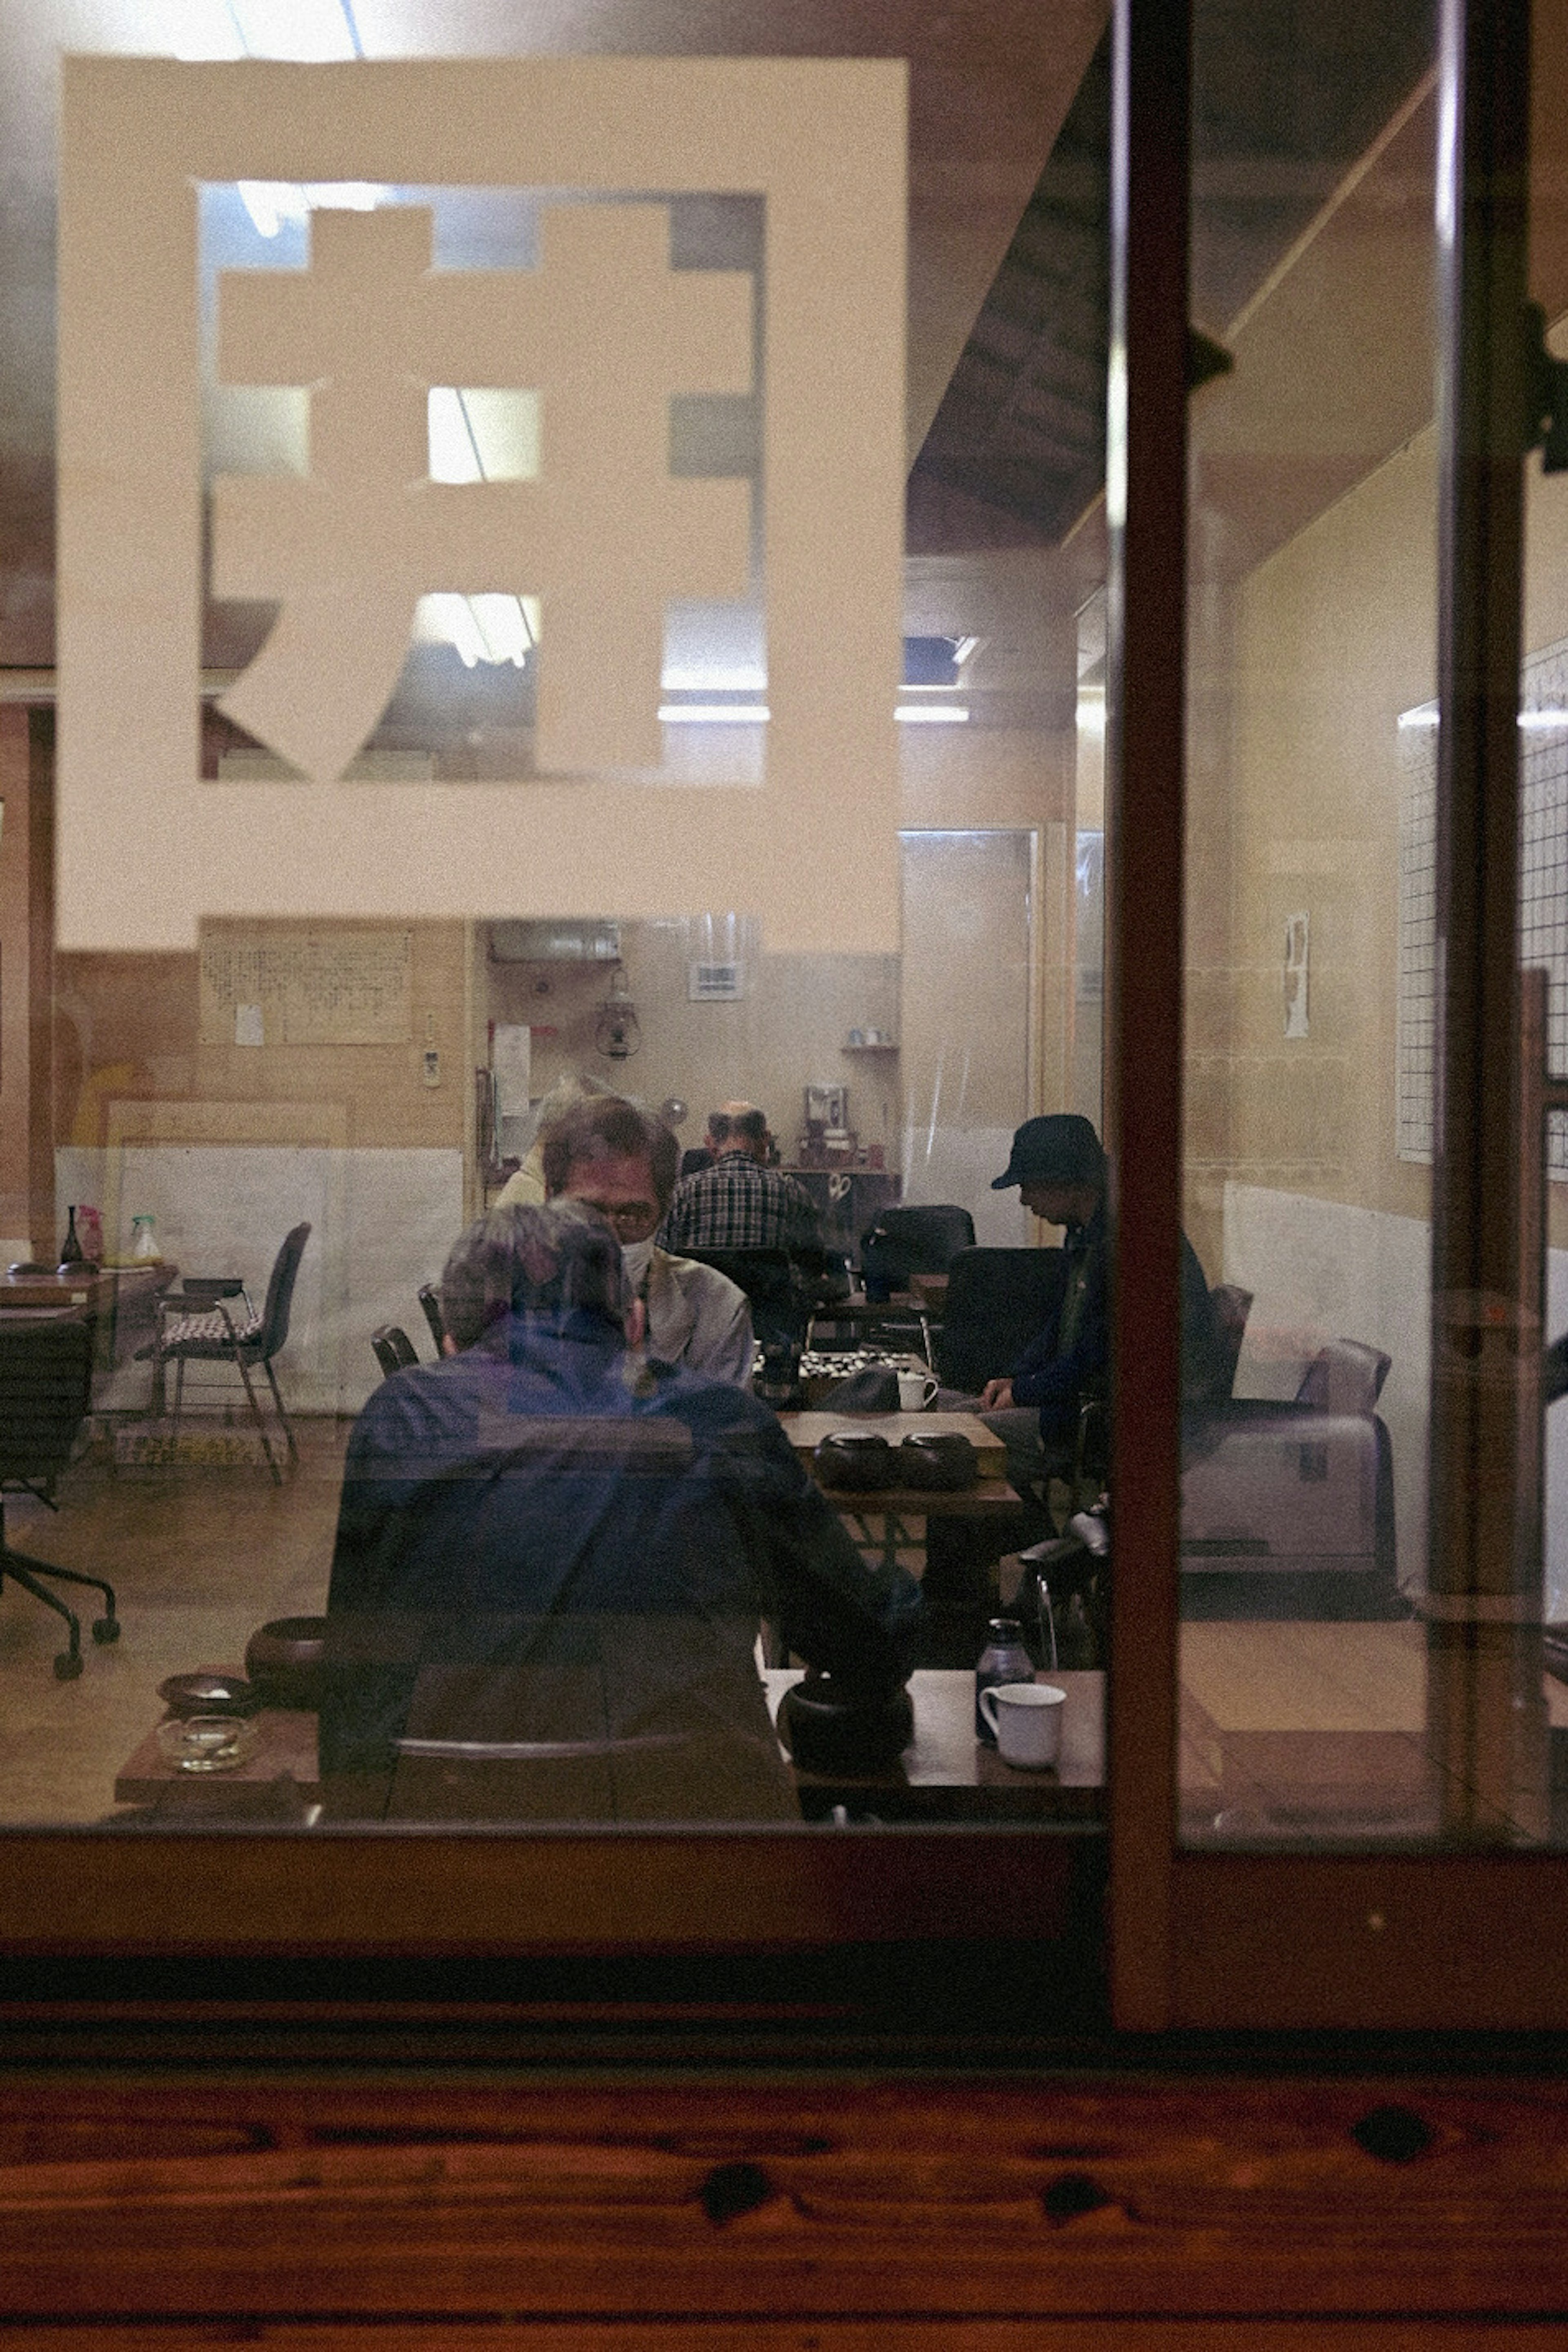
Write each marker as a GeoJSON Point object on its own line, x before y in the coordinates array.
{"type": "Point", "coordinates": [1324, 1698]}
{"type": "Point", "coordinates": [743, 701]}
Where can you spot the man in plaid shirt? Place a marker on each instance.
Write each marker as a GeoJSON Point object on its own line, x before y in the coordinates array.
{"type": "Point", "coordinates": [740, 1202]}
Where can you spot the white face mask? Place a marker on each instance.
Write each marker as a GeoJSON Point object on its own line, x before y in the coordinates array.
{"type": "Point", "coordinates": [636, 1257]}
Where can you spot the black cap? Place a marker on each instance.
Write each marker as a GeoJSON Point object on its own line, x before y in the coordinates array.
{"type": "Point", "coordinates": [1062, 1147]}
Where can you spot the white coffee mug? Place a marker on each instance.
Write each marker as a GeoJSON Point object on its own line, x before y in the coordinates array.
{"type": "Point", "coordinates": [1028, 1720]}
{"type": "Point", "coordinates": [916, 1390]}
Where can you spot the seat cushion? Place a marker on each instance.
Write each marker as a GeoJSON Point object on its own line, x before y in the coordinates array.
{"type": "Point", "coordinates": [209, 1330]}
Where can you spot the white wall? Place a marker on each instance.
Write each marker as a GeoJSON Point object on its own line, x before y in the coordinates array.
{"type": "Point", "coordinates": [382, 1223]}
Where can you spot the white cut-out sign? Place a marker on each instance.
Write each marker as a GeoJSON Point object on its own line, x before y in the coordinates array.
{"type": "Point", "coordinates": [606, 334]}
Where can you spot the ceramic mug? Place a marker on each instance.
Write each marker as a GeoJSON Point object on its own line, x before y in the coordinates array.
{"type": "Point", "coordinates": [1028, 1720]}
{"type": "Point", "coordinates": [916, 1390]}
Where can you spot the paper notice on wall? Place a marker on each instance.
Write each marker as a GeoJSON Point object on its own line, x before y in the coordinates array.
{"type": "Point", "coordinates": [306, 986]}
{"type": "Point", "coordinates": [511, 1060]}
{"type": "Point", "coordinates": [1298, 950]}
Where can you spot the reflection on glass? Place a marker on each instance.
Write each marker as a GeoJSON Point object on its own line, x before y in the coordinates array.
{"type": "Point", "coordinates": [552, 1555]}
{"type": "Point", "coordinates": [1316, 1707]}
{"type": "Point", "coordinates": [591, 1549]}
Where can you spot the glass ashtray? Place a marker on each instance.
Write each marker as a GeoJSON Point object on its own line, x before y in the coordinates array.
{"type": "Point", "coordinates": [209, 1743]}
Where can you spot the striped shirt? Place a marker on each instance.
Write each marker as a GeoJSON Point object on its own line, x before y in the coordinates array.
{"type": "Point", "coordinates": [736, 1204]}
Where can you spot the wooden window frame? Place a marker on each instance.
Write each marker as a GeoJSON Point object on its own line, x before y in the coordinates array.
{"type": "Point", "coordinates": [1195, 1940]}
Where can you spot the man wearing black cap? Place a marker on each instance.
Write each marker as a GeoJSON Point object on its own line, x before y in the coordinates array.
{"type": "Point", "coordinates": [1058, 1166]}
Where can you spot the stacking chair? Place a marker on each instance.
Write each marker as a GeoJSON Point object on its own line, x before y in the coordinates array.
{"type": "Point", "coordinates": [46, 1377]}
{"type": "Point", "coordinates": [220, 1335]}
{"type": "Point", "coordinates": [395, 1350]}
{"type": "Point", "coordinates": [429, 1298]}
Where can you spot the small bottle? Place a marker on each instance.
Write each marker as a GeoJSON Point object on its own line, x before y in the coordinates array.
{"type": "Point", "coordinates": [143, 1237]}
{"type": "Point", "coordinates": [778, 1382]}
{"type": "Point", "coordinates": [71, 1249]}
{"type": "Point", "coordinates": [1003, 1660]}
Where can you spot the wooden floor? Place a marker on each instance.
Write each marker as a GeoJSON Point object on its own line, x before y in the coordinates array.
{"type": "Point", "coordinates": [1287, 1728]}
{"type": "Point", "coordinates": [1312, 1730]}
{"type": "Point", "coordinates": [198, 1558]}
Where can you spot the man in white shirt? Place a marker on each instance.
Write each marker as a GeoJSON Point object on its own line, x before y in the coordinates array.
{"type": "Point", "coordinates": [609, 1153]}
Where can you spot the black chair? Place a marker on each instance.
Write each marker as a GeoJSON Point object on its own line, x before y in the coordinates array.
{"type": "Point", "coordinates": [1230, 1307]}
{"type": "Point", "coordinates": [922, 1238]}
{"type": "Point", "coordinates": [429, 1298]}
{"type": "Point", "coordinates": [997, 1301]}
{"type": "Point", "coordinates": [45, 1382]}
{"type": "Point", "coordinates": [394, 1349]}
{"type": "Point", "coordinates": [221, 1336]}
{"type": "Point", "coordinates": [780, 1310]}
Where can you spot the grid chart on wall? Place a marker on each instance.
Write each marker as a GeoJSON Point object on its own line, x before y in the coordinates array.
{"type": "Point", "coordinates": [1543, 890]}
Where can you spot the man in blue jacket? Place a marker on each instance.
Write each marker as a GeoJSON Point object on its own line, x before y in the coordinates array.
{"type": "Point", "coordinates": [554, 1550]}
{"type": "Point", "coordinates": [1058, 1166]}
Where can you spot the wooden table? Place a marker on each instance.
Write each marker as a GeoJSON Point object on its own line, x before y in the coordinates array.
{"type": "Point", "coordinates": [279, 1782]}
{"type": "Point", "coordinates": [945, 1774]}
{"type": "Point", "coordinates": [806, 1431]}
{"type": "Point", "coordinates": [989, 1498]}
{"type": "Point", "coordinates": [123, 1300]}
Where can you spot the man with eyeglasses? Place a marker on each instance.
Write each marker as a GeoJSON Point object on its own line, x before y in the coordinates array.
{"type": "Point", "coordinates": [612, 1156]}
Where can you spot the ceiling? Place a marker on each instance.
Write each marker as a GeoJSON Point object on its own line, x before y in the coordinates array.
{"type": "Point", "coordinates": [1008, 165]}
{"type": "Point", "coordinates": [990, 83]}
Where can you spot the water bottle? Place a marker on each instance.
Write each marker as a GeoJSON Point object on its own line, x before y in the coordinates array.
{"type": "Point", "coordinates": [1003, 1660]}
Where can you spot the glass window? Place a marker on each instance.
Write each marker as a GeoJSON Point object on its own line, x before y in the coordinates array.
{"type": "Point", "coordinates": [1351, 1674]}
{"type": "Point", "coordinates": [407, 1276]}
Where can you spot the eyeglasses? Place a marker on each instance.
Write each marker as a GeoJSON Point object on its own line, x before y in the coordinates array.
{"type": "Point", "coordinates": [633, 1220]}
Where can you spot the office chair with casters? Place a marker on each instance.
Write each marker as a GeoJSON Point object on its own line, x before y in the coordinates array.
{"type": "Point", "coordinates": [222, 1335]}
{"type": "Point", "coordinates": [429, 1298]}
{"type": "Point", "coordinates": [46, 1377]}
{"type": "Point", "coordinates": [395, 1350]}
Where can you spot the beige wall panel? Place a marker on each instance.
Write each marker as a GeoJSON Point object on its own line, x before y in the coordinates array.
{"type": "Point", "coordinates": [786, 1032]}
{"type": "Point", "coordinates": [127, 1027]}
{"type": "Point", "coordinates": [986, 776]}
{"type": "Point", "coordinates": [968, 985]}
{"type": "Point", "coordinates": [1336, 636]}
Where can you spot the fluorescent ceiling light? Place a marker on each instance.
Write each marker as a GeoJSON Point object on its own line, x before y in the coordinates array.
{"type": "Point", "coordinates": [713, 714]}
{"type": "Point", "coordinates": [755, 714]}
{"type": "Point", "coordinates": [747, 680]}
{"type": "Point", "coordinates": [1547, 722]}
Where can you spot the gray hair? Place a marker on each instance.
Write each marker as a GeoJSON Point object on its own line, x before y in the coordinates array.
{"type": "Point", "coordinates": [561, 1260]}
